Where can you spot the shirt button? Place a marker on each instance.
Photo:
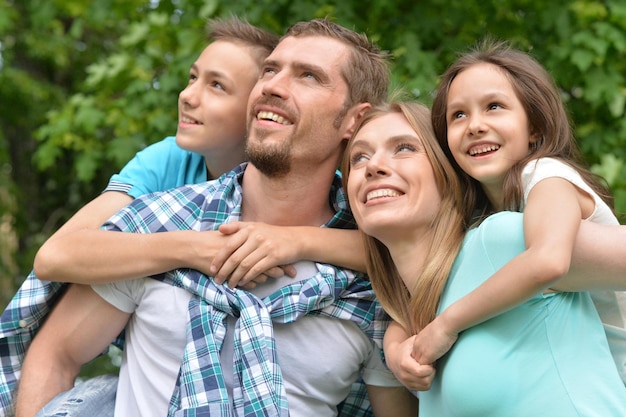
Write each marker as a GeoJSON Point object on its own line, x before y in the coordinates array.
{"type": "Point", "coordinates": [23, 323]}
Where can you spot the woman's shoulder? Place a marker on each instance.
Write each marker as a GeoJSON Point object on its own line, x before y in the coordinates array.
{"type": "Point", "coordinates": [498, 236]}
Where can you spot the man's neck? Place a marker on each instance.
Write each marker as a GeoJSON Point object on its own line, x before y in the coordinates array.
{"type": "Point", "coordinates": [294, 200]}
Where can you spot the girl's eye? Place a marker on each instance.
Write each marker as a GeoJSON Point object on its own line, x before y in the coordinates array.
{"type": "Point", "coordinates": [217, 85]}
{"type": "Point", "coordinates": [192, 77]}
{"type": "Point", "coordinates": [494, 106]}
{"type": "Point", "coordinates": [458, 115]}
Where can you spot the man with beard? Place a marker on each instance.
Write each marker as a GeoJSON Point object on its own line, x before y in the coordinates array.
{"type": "Point", "coordinates": [288, 347]}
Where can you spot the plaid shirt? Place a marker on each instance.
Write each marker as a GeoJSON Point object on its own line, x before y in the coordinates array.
{"type": "Point", "coordinates": [196, 207]}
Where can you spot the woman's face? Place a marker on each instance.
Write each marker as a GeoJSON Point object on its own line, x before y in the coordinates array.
{"type": "Point", "coordinates": [391, 184]}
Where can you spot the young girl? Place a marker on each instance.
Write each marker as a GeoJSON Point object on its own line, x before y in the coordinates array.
{"type": "Point", "coordinates": [498, 116]}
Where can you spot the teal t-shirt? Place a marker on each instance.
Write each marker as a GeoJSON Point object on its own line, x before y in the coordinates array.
{"type": "Point", "coordinates": [159, 167]}
{"type": "Point", "coordinates": [547, 357]}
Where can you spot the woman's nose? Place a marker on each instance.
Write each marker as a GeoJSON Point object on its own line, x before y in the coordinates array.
{"type": "Point", "coordinates": [377, 166]}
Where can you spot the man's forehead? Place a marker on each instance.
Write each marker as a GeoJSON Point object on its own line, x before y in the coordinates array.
{"type": "Point", "coordinates": [322, 50]}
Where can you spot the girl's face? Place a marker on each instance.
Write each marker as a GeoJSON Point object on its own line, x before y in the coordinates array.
{"type": "Point", "coordinates": [391, 185]}
{"type": "Point", "coordinates": [488, 129]}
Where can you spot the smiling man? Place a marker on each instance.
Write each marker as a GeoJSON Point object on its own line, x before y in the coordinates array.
{"type": "Point", "coordinates": [290, 346]}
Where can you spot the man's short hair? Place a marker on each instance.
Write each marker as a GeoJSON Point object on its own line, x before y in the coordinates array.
{"type": "Point", "coordinates": [367, 73]}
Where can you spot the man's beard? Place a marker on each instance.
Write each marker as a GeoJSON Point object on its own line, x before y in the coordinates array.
{"type": "Point", "coordinates": [272, 160]}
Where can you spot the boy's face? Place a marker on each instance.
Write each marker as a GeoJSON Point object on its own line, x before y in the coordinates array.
{"type": "Point", "coordinates": [212, 108]}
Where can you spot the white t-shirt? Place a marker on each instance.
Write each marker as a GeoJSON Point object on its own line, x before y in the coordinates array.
{"type": "Point", "coordinates": [611, 305]}
{"type": "Point", "coordinates": [320, 357]}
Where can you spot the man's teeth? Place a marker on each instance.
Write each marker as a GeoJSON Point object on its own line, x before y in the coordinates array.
{"type": "Point", "coordinates": [372, 195]}
{"type": "Point", "coordinates": [190, 121]}
{"type": "Point", "coordinates": [482, 149]}
{"type": "Point", "coordinates": [268, 115]}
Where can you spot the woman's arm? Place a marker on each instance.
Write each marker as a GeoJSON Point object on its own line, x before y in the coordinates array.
{"type": "Point", "coordinates": [392, 401]}
{"type": "Point", "coordinates": [398, 347]}
{"type": "Point", "coordinates": [598, 260]}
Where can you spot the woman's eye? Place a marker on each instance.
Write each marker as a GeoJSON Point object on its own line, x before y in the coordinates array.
{"type": "Point", "coordinates": [218, 85]}
{"type": "Point", "coordinates": [356, 158]}
{"type": "Point", "coordinates": [405, 147]}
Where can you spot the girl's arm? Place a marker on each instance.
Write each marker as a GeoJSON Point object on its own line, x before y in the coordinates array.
{"type": "Point", "coordinates": [398, 346]}
{"type": "Point", "coordinates": [254, 247]}
{"type": "Point", "coordinates": [551, 220]}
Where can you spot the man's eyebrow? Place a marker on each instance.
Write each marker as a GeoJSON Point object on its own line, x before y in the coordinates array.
{"type": "Point", "coordinates": [302, 66]}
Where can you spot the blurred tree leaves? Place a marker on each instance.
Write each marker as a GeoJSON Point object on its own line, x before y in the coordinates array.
{"type": "Point", "coordinates": [85, 84]}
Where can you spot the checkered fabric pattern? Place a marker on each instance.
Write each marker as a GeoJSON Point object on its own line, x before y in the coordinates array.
{"type": "Point", "coordinates": [204, 207]}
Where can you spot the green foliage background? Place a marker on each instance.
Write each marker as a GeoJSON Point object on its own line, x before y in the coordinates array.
{"type": "Point", "coordinates": [85, 84]}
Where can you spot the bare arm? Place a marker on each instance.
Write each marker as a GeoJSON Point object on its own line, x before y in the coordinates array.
{"type": "Point", "coordinates": [392, 401]}
{"type": "Point", "coordinates": [598, 261]}
{"type": "Point", "coordinates": [255, 247]}
{"type": "Point", "coordinates": [82, 253]}
{"type": "Point", "coordinates": [551, 220]}
{"type": "Point", "coordinates": [80, 327]}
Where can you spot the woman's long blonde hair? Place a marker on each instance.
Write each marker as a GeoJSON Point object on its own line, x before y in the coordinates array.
{"type": "Point", "coordinates": [416, 311]}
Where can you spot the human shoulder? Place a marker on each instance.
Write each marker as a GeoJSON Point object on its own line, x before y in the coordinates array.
{"type": "Point", "coordinates": [160, 166]}
{"type": "Point", "coordinates": [543, 168]}
{"type": "Point", "coordinates": [501, 232]}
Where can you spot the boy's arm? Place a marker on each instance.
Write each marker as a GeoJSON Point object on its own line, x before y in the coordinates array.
{"type": "Point", "coordinates": [82, 253]}
{"type": "Point", "coordinates": [255, 247]}
{"type": "Point", "coordinates": [80, 327]}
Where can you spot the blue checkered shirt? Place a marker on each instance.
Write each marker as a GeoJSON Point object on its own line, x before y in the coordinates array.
{"type": "Point", "coordinates": [259, 389]}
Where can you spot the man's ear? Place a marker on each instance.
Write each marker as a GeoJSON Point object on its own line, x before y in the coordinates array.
{"type": "Point", "coordinates": [353, 117]}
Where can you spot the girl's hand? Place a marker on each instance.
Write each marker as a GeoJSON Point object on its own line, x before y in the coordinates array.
{"type": "Point", "coordinates": [253, 252]}
{"type": "Point", "coordinates": [432, 342]}
{"type": "Point", "coordinates": [409, 372]}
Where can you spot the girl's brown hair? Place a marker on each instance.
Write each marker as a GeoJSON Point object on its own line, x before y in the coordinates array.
{"type": "Point", "coordinates": [546, 114]}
